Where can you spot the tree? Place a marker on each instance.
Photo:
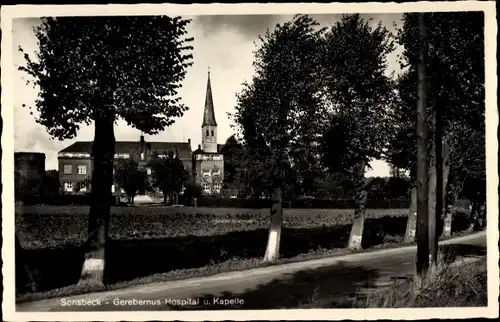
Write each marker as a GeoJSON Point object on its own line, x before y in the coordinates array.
{"type": "Point", "coordinates": [168, 175]}
{"type": "Point", "coordinates": [129, 177]}
{"type": "Point", "coordinates": [101, 69]}
{"type": "Point", "coordinates": [359, 93]}
{"type": "Point", "coordinates": [271, 108]}
{"type": "Point", "coordinates": [423, 171]}
{"type": "Point", "coordinates": [234, 163]}
{"type": "Point", "coordinates": [192, 191]}
{"type": "Point", "coordinates": [456, 91]}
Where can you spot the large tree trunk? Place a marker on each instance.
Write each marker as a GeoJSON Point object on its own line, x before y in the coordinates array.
{"type": "Point", "coordinates": [360, 197]}
{"type": "Point", "coordinates": [433, 201]}
{"type": "Point", "coordinates": [442, 183]}
{"type": "Point", "coordinates": [478, 212]}
{"type": "Point", "coordinates": [481, 221]}
{"type": "Point", "coordinates": [481, 218]}
{"type": "Point", "coordinates": [411, 222]}
{"type": "Point", "coordinates": [454, 188]}
{"type": "Point", "coordinates": [273, 241]}
{"type": "Point", "coordinates": [103, 150]}
{"type": "Point", "coordinates": [473, 213]}
{"type": "Point", "coordinates": [422, 262]}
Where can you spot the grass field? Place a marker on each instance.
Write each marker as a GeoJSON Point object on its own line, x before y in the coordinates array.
{"type": "Point", "coordinates": [153, 241]}
{"type": "Point", "coordinates": [53, 226]}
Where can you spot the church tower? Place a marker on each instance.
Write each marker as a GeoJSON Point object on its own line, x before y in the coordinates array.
{"type": "Point", "coordinates": [209, 125]}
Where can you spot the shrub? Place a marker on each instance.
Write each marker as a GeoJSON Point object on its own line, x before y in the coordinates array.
{"type": "Point", "coordinates": [61, 200]}
{"type": "Point", "coordinates": [462, 285]}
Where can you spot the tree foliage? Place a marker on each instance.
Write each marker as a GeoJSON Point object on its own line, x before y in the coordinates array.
{"type": "Point", "coordinates": [234, 158]}
{"type": "Point", "coordinates": [359, 92]}
{"type": "Point", "coordinates": [456, 88]}
{"type": "Point", "coordinates": [135, 63]}
{"type": "Point", "coordinates": [282, 99]}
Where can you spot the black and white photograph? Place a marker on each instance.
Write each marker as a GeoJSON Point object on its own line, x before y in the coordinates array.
{"type": "Point", "coordinates": [249, 161]}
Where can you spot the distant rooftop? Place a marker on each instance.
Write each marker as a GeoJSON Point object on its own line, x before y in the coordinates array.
{"type": "Point", "coordinates": [200, 151]}
{"type": "Point", "coordinates": [184, 148]}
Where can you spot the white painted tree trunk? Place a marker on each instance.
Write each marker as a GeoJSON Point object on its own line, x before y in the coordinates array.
{"type": "Point", "coordinates": [274, 237]}
{"type": "Point", "coordinates": [93, 271]}
{"type": "Point", "coordinates": [361, 195]}
{"type": "Point", "coordinates": [411, 223]}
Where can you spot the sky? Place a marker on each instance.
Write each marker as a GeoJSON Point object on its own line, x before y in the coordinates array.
{"type": "Point", "coordinates": [223, 43]}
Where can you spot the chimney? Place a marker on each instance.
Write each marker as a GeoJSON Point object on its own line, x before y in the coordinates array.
{"type": "Point", "coordinates": [199, 146]}
{"type": "Point", "coordinates": [189, 141]}
{"type": "Point", "coordinates": [142, 146]}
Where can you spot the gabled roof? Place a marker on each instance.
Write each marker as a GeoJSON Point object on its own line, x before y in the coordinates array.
{"type": "Point", "coordinates": [209, 113]}
{"type": "Point", "coordinates": [184, 148]}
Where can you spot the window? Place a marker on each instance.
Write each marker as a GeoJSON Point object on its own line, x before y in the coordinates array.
{"type": "Point", "coordinates": [83, 188]}
{"type": "Point", "coordinates": [68, 169]}
{"type": "Point", "coordinates": [216, 172]}
{"type": "Point", "coordinates": [217, 188]}
{"type": "Point", "coordinates": [112, 188]}
{"type": "Point", "coordinates": [148, 171]}
{"type": "Point", "coordinates": [142, 155]}
{"type": "Point", "coordinates": [206, 173]}
{"type": "Point", "coordinates": [212, 132]}
{"type": "Point", "coordinates": [207, 133]}
{"type": "Point", "coordinates": [68, 186]}
{"type": "Point", "coordinates": [206, 188]}
{"type": "Point", "coordinates": [82, 169]}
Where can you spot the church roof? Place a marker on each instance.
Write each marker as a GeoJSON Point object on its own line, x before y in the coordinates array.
{"type": "Point", "coordinates": [183, 148]}
{"type": "Point", "coordinates": [209, 113]}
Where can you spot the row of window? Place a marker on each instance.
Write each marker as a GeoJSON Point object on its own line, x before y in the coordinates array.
{"type": "Point", "coordinates": [208, 133]}
{"type": "Point", "coordinates": [81, 169]}
{"type": "Point", "coordinates": [208, 173]}
{"type": "Point", "coordinates": [70, 186]}
{"type": "Point", "coordinates": [207, 188]}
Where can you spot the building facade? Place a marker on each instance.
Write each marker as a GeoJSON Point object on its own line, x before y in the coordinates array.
{"type": "Point", "coordinates": [75, 161]}
{"type": "Point", "coordinates": [206, 164]}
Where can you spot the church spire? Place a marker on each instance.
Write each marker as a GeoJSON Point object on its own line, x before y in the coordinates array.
{"type": "Point", "coordinates": [209, 114]}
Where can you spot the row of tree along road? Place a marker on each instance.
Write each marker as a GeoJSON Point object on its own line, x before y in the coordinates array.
{"type": "Point", "coordinates": [321, 102]}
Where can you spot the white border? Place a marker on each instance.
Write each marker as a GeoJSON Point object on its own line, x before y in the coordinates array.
{"type": "Point", "coordinates": [25, 11]}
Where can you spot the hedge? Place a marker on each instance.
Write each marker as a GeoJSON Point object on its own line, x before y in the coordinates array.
{"type": "Point", "coordinates": [218, 202]}
{"type": "Point", "coordinates": [60, 200]}
{"type": "Point", "coordinates": [301, 204]}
